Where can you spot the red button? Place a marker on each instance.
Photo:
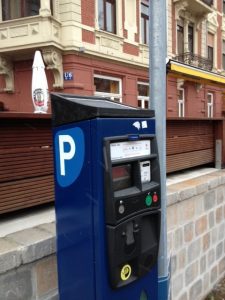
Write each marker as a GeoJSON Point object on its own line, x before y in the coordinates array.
{"type": "Point", "coordinates": [155, 197]}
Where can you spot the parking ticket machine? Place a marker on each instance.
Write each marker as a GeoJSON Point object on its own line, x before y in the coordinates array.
{"type": "Point", "coordinates": [107, 191]}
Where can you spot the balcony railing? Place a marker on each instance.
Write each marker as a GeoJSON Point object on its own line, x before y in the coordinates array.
{"type": "Point", "coordinates": [194, 60]}
{"type": "Point", "coordinates": [208, 2]}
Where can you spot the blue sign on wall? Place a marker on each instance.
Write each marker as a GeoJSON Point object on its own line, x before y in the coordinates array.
{"type": "Point", "coordinates": [68, 75]}
{"type": "Point", "coordinates": [69, 148]}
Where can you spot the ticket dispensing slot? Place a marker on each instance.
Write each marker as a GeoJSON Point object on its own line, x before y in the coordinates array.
{"type": "Point", "coordinates": [132, 212]}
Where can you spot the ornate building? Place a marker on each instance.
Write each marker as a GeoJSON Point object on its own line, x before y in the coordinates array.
{"type": "Point", "coordinates": [100, 47]}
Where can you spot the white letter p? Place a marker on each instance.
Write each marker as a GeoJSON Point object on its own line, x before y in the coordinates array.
{"type": "Point", "coordinates": [65, 155]}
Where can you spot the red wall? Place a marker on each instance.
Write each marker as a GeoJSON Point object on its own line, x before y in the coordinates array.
{"type": "Point", "coordinates": [195, 100]}
{"type": "Point", "coordinates": [83, 69]}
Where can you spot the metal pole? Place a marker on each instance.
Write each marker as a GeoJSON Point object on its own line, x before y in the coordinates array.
{"type": "Point", "coordinates": [157, 74]}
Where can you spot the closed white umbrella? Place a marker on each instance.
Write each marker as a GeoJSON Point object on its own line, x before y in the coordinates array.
{"type": "Point", "coordinates": [40, 94]}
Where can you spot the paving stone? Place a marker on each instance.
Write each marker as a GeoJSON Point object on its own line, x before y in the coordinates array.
{"type": "Point", "coordinates": [188, 232]}
{"type": "Point", "coordinates": [211, 257]}
{"type": "Point", "coordinates": [222, 266]}
{"type": "Point", "coordinates": [206, 242]}
{"type": "Point", "coordinates": [172, 195]}
{"type": "Point", "coordinates": [172, 217]}
{"type": "Point", "coordinates": [16, 285]}
{"type": "Point", "coordinates": [211, 219]}
{"type": "Point", "coordinates": [49, 227]}
{"type": "Point", "coordinates": [220, 195]}
{"type": "Point", "coordinates": [10, 255]}
{"type": "Point", "coordinates": [209, 201]}
{"type": "Point", "coordinates": [38, 243]}
{"type": "Point", "coordinates": [191, 273]}
{"type": "Point", "coordinates": [201, 225]}
{"type": "Point", "coordinates": [181, 257]}
{"type": "Point", "coordinates": [46, 275]}
{"type": "Point", "coordinates": [196, 290]}
{"type": "Point", "coordinates": [186, 211]}
{"type": "Point", "coordinates": [221, 232]}
{"type": "Point", "coordinates": [183, 297]}
{"type": "Point", "coordinates": [178, 238]}
{"type": "Point", "coordinates": [214, 235]}
{"type": "Point", "coordinates": [202, 264]}
{"type": "Point", "coordinates": [219, 214]}
{"type": "Point", "coordinates": [219, 250]}
{"type": "Point", "coordinates": [194, 250]}
{"type": "Point", "coordinates": [173, 264]}
{"type": "Point", "coordinates": [188, 193]}
{"type": "Point", "coordinates": [177, 285]}
{"type": "Point", "coordinates": [213, 275]}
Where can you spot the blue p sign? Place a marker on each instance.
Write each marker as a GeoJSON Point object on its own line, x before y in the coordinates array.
{"type": "Point", "coordinates": [69, 149]}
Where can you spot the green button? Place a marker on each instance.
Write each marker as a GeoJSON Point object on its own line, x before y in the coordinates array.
{"type": "Point", "coordinates": [148, 200]}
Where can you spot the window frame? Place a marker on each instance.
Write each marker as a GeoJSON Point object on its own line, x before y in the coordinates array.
{"type": "Point", "coordinates": [191, 38]}
{"type": "Point", "coordinates": [181, 104]}
{"type": "Point", "coordinates": [24, 8]}
{"type": "Point", "coordinates": [180, 37]}
{"type": "Point", "coordinates": [103, 25]}
{"type": "Point", "coordinates": [210, 49]}
{"type": "Point", "coordinates": [223, 54]}
{"type": "Point", "coordinates": [145, 18]}
{"type": "Point", "coordinates": [110, 95]}
{"type": "Point", "coordinates": [143, 99]}
{"type": "Point", "coordinates": [210, 105]}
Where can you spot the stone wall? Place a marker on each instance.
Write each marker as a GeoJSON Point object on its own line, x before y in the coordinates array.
{"type": "Point", "coordinates": [196, 243]}
{"type": "Point", "coordinates": [28, 264]}
{"type": "Point", "coordinates": [196, 235]}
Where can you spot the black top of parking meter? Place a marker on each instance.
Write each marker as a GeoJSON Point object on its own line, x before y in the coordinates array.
{"type": "Point", "coordinates": [68, 108]}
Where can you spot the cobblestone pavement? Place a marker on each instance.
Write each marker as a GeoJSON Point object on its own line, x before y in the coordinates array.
{"type": "Point", "coordinates": [218, 292]}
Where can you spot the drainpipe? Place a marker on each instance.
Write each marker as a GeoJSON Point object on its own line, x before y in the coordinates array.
{"type": "Point", "coordinates": [157, 75]}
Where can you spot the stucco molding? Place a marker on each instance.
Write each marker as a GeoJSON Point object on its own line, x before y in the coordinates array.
{"type": "Point", "coordinates": [6, 69]}
{"type": "Point", "coordinates": [200, 21]}
{"type": "Point", "coordinates": [212, 22]}
{"type": "Point", "coordinates": [179, 7]}
{"type": "Point", "coordinates": [53, 59]}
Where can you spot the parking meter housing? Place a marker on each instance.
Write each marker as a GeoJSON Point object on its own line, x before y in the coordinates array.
{"type": "Point", "coordinates": [107, 199]}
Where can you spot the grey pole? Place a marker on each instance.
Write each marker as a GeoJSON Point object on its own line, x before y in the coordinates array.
{"type": "Point", "coordinates": [157, 74]}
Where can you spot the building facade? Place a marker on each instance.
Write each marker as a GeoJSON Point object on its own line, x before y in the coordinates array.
{"type": "Point", "coordinates": [100, 47]}
{"type": "Point", "coordinates": [89, 48]}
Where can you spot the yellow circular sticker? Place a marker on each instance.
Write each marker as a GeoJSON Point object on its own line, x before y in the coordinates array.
{"type": "Point", "coordinates": [125, 272]}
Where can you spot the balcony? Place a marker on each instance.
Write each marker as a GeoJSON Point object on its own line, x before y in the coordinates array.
{"type": "Point", "coordinates": [198, 8]}
{"type": "Point", "coordinates": [194, 60]}
{"type": "Point", "coordinates": [28, 33]}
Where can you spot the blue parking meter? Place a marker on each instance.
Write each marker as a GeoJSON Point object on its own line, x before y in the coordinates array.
{"type": "Point", "coordinates": [107, 199]}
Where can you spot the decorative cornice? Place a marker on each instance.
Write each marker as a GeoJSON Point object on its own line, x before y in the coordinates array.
{"type": "Point", "coordinates": [53, 60]}
{"type": "Point", "coordinates": [6, 69]}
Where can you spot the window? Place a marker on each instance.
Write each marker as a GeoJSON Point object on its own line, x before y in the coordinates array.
{"type": "Point", "coordinates": [180, 37]}
{"type": "Point", "coordinates": [210, 105]}
{"type": "Point", "coordinates": [224, 6]}
{"type": "Point", "coordinates": [191, 39]}
{"type": "Point", "coordinates": [13, 9]}
{"type": "Point", "coordinates": [181, 102]}
{"type": "Point", "coordinates": [210, 42]}
{"type": "Point", "coordinates": [210, 53]}
{"type": "Point", "coordinates": [109, 87]}
{"type": "Point", "coordinates": [107, 15]}
{"type": "Point", "coordinates": [144, 23]}
{"type": "Point", "coordinates": [143, 95]}
{"type": "Point", "coordinates": [223, 54]}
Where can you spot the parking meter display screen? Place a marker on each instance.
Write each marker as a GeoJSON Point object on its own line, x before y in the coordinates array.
{"type": "Point", "coordinates": [121, 177]}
